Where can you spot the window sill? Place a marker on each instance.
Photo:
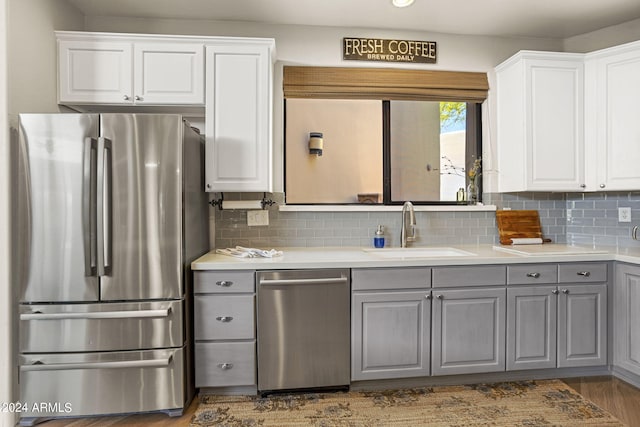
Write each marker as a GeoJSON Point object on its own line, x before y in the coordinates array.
{"type": "Point", "coordinates": [379, 208]}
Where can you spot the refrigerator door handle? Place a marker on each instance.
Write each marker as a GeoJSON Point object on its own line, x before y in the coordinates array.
{"type": "Point", "coordinates": [89, 226]}
{"type": "Point", "coordinates": [104, 206]}
{"type": "Point", "coordinates": [154, 363]}
{"type": "Point", "coordinates": [124, 314]}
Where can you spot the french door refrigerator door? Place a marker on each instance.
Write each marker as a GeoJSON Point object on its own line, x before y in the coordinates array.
{"type": "Point", "coordinates": [141, 194]}
{"type": "Point", "coordinates": [55, 207]}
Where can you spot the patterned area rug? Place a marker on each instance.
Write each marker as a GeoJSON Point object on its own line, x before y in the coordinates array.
{"type": "Point", "coordinates": [524, 403]}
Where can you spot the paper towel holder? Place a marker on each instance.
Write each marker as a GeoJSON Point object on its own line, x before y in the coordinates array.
{"type": "Point", "coordinates": [264, 202]}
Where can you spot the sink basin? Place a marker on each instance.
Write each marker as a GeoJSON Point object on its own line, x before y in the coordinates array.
{"type": "Point", "coordinates": [430, 252]}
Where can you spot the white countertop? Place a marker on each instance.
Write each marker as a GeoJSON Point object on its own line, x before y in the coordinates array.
{"type": "Point", "coordinates": [355, 257]}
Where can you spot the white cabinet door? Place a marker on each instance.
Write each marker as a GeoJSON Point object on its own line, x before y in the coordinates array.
{"type": "Point", "coordinates": [94, 72]}
{"type": "Point", "coordinates": [169, 73]}
{"type": "Point", "coordinates": [390, 335]}
{"type": "Point", "coordinates": [468, 331]}
{"type": "Point", "coordinates": [582, 325]}
{"type": "Point", "coordinates": [618, 126]}
{"type": "Point", "coordinates": [238, 117]}
{"type": "Point", "coordinates": [541, 122]}
{"type": "Point", "coordinates": [626, 326]}
{"type": "Point", "coordinates": [531, 327]}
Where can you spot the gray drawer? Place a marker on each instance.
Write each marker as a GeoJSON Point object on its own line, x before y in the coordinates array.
{"type": "Point", "coordinates": [390, 278]}
{"type": "Point", "coordinates": [206, 282]}
{"type": "Point", "coordinates": [480, 275]}
{"type": "Point", "coordinates": [225, 364]}
{"type": "Point", "coordinates": [582, 272]}
{"type": "Point", "coordinates": [221, 317]}
{"type": "Point", "coordinates": [532, 274]}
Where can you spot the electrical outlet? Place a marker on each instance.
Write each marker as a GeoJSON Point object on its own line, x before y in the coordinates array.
{"type": "Point", "coordinates": [257, 218]}
{"type": "Point", "coordinates": [624, 214]}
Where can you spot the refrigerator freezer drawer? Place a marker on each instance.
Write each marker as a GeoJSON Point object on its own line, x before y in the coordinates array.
{"type": "Point", "coordinates": [223, 364]}
{"type": "Point", "coordinates": [50, 328]}
{"type": "Point", "coordinates": [69, 385]}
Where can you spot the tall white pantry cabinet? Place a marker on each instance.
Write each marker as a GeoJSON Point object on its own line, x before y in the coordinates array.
{"type": "Point", "coordinates": [229, 80]}
{"type": "Point", "coordinates": [568, 121]}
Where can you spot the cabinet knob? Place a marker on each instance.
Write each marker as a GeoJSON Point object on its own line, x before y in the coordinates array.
{"type": "Point", "coordinates": [138, 98]}
{"type": "Point", "coordinates": [225, 366]}
{"type": "Point", "coordinates": [555, 292]}
{"type": "Point", "coordinates": [584, 273]}
{"type": "Point", "coordinates": [224, 283]}
{"type": "Point", "coordinates": [583, 185]}
{"type": "Point", "coordinates": [534, 275]}
{"type": "Point", "coordinates": [224, 319]}
{"type": "Point", "coordinates": [602, 186]}
{"type": "Point", "coordinates": [565, 291]}
{"type": "Point", "coordinates": [428, 296]}
{"type": "Point", "coordinates": [126, 97]}
{"type": "Point", "coordinates": [439, 296]}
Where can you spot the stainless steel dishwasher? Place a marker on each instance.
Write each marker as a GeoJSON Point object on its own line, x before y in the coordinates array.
{"type": "Point", "coordinates": [303, 329]}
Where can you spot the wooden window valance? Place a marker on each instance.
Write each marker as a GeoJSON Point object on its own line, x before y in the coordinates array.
{"type": "Point", "coordinates": [383, 83]}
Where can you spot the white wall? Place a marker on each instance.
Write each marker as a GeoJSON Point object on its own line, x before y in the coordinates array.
{"type": "Point", "coordinates": [32, 53]}
{"type": "Point", "coordinates": [603, 38]}
{"type": "Point", "coordinates": [321, 46]}
{"type": "Point", "coordinates": [7, 383]}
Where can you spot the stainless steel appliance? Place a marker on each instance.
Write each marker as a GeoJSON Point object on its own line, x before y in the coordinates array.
{"type": "Point", "coordinates": [303, 329]}
{"type": "Point", "coordinates": [110, 213]}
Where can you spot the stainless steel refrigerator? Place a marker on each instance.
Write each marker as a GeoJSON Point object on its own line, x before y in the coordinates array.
{"type": "Point", "coordinates": [110, 212]}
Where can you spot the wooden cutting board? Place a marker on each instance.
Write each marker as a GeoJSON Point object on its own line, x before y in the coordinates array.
{"type": "Point", "coordinates": [518, 224]}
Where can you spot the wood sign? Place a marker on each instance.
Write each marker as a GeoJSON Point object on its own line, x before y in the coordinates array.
{"type": "Point", "coordinates": [386, 50]}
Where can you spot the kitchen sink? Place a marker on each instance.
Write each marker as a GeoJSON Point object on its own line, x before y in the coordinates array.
{"type": "Point", "coordinates": [427, 252]}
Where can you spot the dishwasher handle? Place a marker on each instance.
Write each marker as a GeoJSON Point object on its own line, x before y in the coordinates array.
{"type": "Point", "coordinates": [315, 281]}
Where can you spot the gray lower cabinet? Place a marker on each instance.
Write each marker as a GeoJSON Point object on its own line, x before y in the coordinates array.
{"type": "Point", "coordinates": [557, 325]}
{"type": "Point", "coordinates": [390, 322]}
{"type": "Point", "coordinates": [626, 349]}
{"type": "Point", "coordinates": [390, 334]}
{"type": "Point", "coordinates": [468, 331]}
{"type": "Point", "coordinates": [224, 329]}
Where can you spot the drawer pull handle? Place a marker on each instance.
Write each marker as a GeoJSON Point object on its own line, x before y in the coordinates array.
{"type": "Point", "coordinates": [565, 291]}
{"type": "Point", "coordinates": [534, 275]}
{"type": "Point", "coordinates": [224, 319]}
{"type": "Point", "coordinates": [555, 292]}
{"type": "Point", "coordinates": [225, 366]}
{"type": "Point", "coordinates": [224, 283]}
{"type": "Point", "coordinates": [584, 273]}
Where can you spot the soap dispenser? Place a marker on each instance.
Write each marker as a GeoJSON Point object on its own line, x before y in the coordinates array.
{"type": "Point", "coordinates": [378, 239]}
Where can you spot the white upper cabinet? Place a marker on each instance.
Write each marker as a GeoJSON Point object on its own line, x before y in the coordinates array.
{"type": "Point", "coordinates": [238, 116]}
{"type": "Point", "coordinates": [569, 122]}
{"type": "Point", "coordinates": [541, 122]}
{"type": "Point", "coordinates": [616, 135]}
{"type": "Point", "coordinates": [129, 69]}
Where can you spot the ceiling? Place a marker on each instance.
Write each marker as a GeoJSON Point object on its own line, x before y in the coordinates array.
{"type": "Point", "coordinates": [527, 18]}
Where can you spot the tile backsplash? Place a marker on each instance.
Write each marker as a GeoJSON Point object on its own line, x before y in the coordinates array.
{"type": "Point", "coordinates": [313, 229]}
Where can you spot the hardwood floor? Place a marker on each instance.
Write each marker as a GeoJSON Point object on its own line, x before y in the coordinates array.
{"type": "Point", "coordinates": [619, 398]}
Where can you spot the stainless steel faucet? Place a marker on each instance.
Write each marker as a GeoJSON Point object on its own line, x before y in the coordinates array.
{"type": "Point", "coordinates": [404, 237]}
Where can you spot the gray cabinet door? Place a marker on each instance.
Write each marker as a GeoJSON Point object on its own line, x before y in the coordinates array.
{"type": "Point", "coordinates": [390, 335]}
{"type": "Point", "coordinates": [531, 327]}
{"type": "Point", "coordinates": [626, 320]}
{"type": "Point", "coordinates": [468, 331]}
{"type": "Point", "coordinates": [582, 325]}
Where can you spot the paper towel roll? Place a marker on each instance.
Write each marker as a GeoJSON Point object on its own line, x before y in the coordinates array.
{"type": "Point", "coordinates": [242, 204]}
{"type": "Point", "coordinates": [526, 241]}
